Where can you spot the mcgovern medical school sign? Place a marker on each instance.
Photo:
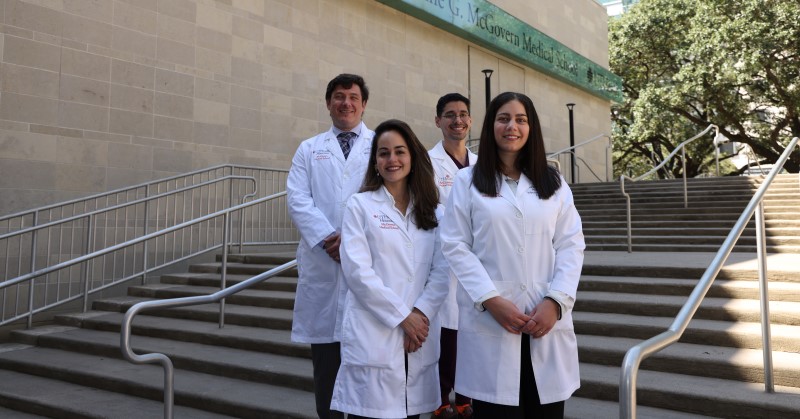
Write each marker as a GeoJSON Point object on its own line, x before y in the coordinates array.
{"type": "Point", "coordinates": [487, 25]}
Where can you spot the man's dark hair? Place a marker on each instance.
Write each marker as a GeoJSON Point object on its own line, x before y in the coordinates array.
{"type": "Point", "coordinates": [347, 80]}
{"type": "Point", "coordinates": [450, 97]}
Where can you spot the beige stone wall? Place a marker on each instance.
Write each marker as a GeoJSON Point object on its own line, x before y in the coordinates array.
{"type": "Point", "coordinates": [100, 94]}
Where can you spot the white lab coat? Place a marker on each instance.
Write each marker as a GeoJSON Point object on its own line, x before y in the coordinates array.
{"type": "Point", "coordinates": [445, 174]}
{"type": "Point", "coordinates": [521, 247]}
{"type": "Point", "coordinates": [390, 266]}
{"type": "Point", "coordinates": [320, 182]}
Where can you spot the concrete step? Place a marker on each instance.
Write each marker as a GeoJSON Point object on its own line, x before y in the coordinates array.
{"type": "Point", "coordinates": [261, 298]}
{"type": "Point", "coordinates": [237, 268]}
{"type": "Point", "coordinates": [211, 392]}
{"type": "Point", "coordinates": [686, 224]}
{"type": "Point", "coordinates": [694, 239]}
{"type": "Point", "coordinates": [732, 217]}
{"type": "Point", "coordinates": [677, 230]}
{"type": "Point", "coordinates": [696, 360]}
{"type": "Point", "coordinates": [582, 408]}
{"type": "Point", "coordinates": [278, 283]}
{"type": "Point", "coordinates": [738, 266]}
{"type": "Point", "coordinates": [267, 317]}
{"type": "Point", "coordinates": [686, 248]}
{"type": "Point", "coordinates": [665, 210]}
{"type": "Point", "coordinates": [260, 258]}
{"type": "Point", "coordinates": [724, 309]}
{"type": "Point", "coordinates": [745, 335]}
{"type": "Point", "coordinates": [699, 395]}
{"type": "Point", "coordinates": [236, 336]}
{"type": "Point", "coordinates": [31, 395]}
{"type": "Point", "coordinates": [207, 357]}
{"type": "Point", "coordinates": [720, 288]}
{"type": "Point", "coordinates": [15, 414]}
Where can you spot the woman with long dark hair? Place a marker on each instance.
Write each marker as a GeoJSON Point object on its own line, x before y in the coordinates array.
{"type": "Point", "coordinates": [513, 237]}
{"type": "Point", "coordinates": [396, 278]}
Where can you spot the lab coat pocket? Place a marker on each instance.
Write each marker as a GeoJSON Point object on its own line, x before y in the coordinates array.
{"type": "Point", "coordinates": [429, 352]}
{"type": "Point", "coordinates": [482, 322]}
{"type": "Point", "coordinates": [368, 342]}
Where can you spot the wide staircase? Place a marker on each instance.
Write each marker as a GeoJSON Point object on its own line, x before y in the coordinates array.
{"type": "Point", "coordinates": [249, 367]}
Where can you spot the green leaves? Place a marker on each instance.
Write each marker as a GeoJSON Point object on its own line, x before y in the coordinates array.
{"type": "Point", "coordinates": [686, 64]}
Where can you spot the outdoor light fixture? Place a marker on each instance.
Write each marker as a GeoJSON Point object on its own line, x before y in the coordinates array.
{"type": "Point", "coordinates": [571, 142]}
{"type": "Point", "coordinates": [488, 73]}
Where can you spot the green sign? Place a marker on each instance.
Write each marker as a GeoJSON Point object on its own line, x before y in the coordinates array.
{"type": "Point", "coordinates": [491, 27]}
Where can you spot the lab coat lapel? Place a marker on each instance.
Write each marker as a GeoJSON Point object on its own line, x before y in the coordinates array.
{"type": "Point", "coordinates": [332, 145]}
{"type": "Point", "coordinates": [388, 209]}
{"type": "Point", "coordinates": [507, 193]}
{"type": "Point", "coordinates": [445, 162]}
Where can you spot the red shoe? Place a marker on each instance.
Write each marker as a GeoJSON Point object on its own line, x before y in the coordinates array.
{"type": "Point", "coordinates": [464, 411]}
{"type": "Point", "coordinates": [446, 411]}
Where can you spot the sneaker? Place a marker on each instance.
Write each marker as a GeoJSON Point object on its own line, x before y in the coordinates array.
{"type": "Point", "coordinates": [445, 411]}
{"type": "Point", "coordinates": [464, 411]}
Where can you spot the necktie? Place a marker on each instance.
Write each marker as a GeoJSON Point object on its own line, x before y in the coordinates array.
{"type": "Point", "coordinates": [344, 142]}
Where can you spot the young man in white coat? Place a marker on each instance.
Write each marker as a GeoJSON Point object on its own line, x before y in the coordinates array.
{"type": "Point", "coordinates": [449, 156]}
{"type": "Point", "coordinates": [326, 170]}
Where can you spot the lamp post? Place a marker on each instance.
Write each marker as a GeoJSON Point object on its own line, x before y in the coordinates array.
{"type": "Point", "coordinates": [571, 142]}
{"type": "Point", "coordinates": [488, 73]}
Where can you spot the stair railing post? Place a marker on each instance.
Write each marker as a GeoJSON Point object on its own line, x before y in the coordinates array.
{"type": "Point", "coordinates": [144, 233]}
{"type": "Point", "coordinates": [766, 337]}
{"type": "Point", "coordinates": [226, 232]}
{"type": "Point", "coordinates": [685, 192]}
{"type": "Point", "coordinates": [628, 210]}
{"type": "Point", "coordinates": [86, 270]}
{"type": "Point", "coordinates": [169, 390]}
{"type": "Point", "coordinates": [33, 269]}
{"type": "Point", "coordinates": [609, 149]}
{"type": "Point", "coordinates": [716, 155]}
{"type": "Point", "coordinates": [241, 229]}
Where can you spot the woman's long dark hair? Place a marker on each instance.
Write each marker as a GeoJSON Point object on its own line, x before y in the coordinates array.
{"type": "Point", "coordinates": [531, 160]}
{"type": "Point", "coordinates": [421, 186]}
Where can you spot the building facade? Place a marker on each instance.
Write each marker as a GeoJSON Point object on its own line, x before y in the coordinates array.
{"type": "Point", "coordinates": [97, 95]}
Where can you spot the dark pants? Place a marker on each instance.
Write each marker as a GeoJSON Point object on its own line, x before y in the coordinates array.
{"type": "Point", "coordinates": [529, 405]}
{"type": "Point", "coordinates": [447, 366]}
{"type": "Point", "coordinates": [326, 358]}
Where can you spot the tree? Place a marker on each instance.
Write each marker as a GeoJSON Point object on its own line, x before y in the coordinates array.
{"type": "Point", "coordinates": [686, 64]}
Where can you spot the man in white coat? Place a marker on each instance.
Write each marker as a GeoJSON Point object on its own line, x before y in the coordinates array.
{"type": "Point", "coordinates": [326, 170]}
{"type": "Point", "coordinates": [448, 157]}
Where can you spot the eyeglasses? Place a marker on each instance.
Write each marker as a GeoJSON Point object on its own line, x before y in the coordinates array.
{"type": "Point", "coordinates": [452, 116]}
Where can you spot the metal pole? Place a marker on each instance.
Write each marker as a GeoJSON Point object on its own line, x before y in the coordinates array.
{"type": "Point", "coordinates": [685, 187]}
{"type": "Point", "coordinates": [766, 338]}
{"type": "Point", "coordinates": [571, 142]}
{"type": "Point", "coordinates": [86, 266]}
{"type": "Point", "coordinates": [33, 268]}
{"type": "Point", "coordinates": [488, 80]}
{"type": "Point", "coordinates": [226, 234]}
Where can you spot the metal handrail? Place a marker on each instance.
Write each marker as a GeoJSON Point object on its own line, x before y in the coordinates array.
{"type": "Point", "coordinates": [635, 356]}
{"type": "Point", "coordinates": [146, 185]}
{"type": "Point", "coordinates": [159, 358]}
{"type": "Point", "coordinates": [112, 192]}
{"type": "Point", "coordinates": [84, 259]}
{"type": "Point", "coordinates": [571, 150]}
{"type": "Point", "coordinates": [35, 231]}
{"type": "Point", "coordinates": [682, 148]}
{"type": "Point", "coordinates": [31, 229]}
